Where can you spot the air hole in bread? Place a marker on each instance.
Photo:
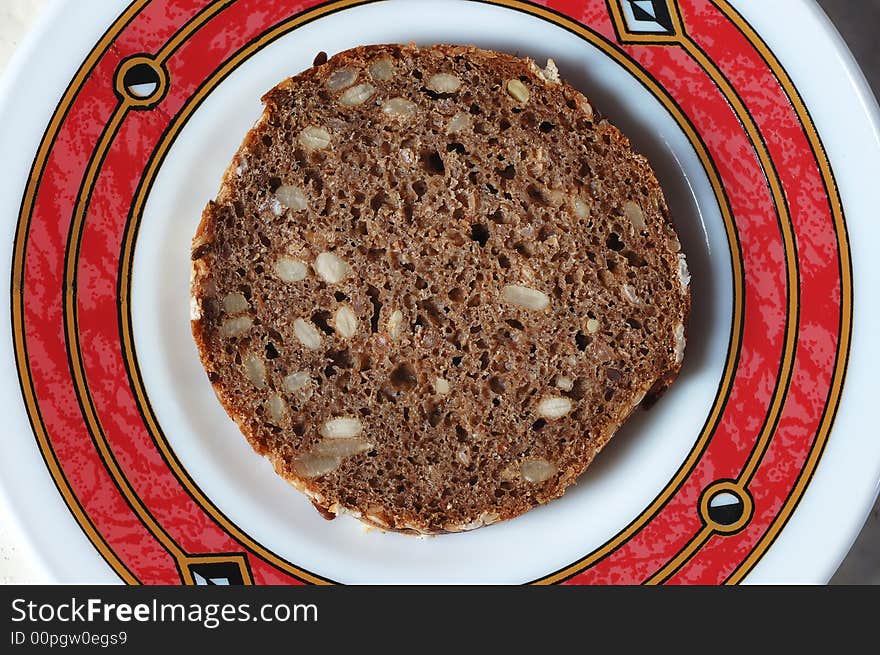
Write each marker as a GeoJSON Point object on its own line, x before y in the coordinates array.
{"type": "Point", "coordinates": [320, 319]}
{"type": "Point", "coordinates": [404, 377]}
{"type": "Point", "coordinates": [497, 385]}
{"type": "Point", "coordinates": [432, 162]}
{"type": "Point", "coordinates": [378, 200]}
{"type": "Point", "coordinates": [480, 233]}
{"type": "Point", "coordinates": [271, 351]}
{"type": "Point", "coordinates": [536, 195]}
{"type": "Point", "coordinates": [373, 295]}
{"type": "Point", "coordinates": [420, 187]}
{"type": "Point", "coordinates": [634, 259]}
{"type": "Point", "coordinates": [614, 243]}
{"type": "Point", "coordinates": [524, 248]}
{"type": "Point", "coordinates": [456, 295]}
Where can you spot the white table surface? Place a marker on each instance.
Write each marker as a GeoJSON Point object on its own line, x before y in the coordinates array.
{"type": "Point", "coordinates": [862, 565]}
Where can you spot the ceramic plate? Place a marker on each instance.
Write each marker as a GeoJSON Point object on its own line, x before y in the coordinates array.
{"type": "Point", "coordinates": [759, 465]}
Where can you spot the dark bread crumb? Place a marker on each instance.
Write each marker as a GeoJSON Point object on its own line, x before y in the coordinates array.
{"type": "Point", "coordinates": [432, 306]}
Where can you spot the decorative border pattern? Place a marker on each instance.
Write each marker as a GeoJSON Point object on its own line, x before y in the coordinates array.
{"type": "Point", "coordinates": [145, 77]}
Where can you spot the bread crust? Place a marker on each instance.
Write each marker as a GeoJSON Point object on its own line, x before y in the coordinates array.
{"type": "Point", "coordinates": [285, 440]}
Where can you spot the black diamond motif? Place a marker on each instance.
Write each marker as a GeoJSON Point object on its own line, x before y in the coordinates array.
{"type": "Point", "coordinates": [725, 508]}
{"type": "Point", "coordinates": [216, 573]}
{"type": "Point", "coordinates": [661, 14]}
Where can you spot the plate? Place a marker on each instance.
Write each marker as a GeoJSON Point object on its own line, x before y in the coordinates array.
{"type": "Point", "coordinates": [758, 465]}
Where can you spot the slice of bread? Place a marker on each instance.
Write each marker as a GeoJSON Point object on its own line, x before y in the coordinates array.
{"type": "Point", "coordinates": [433, 285]}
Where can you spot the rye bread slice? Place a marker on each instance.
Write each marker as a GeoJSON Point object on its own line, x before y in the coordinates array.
{"type": "Point", "coordinates": [433, 285]}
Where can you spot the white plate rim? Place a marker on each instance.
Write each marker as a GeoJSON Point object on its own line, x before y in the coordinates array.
{"type": "Point", "coordinates": [865, 276]}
